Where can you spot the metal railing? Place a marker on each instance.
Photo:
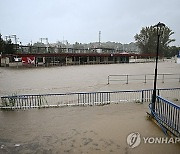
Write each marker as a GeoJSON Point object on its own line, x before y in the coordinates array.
{"type": "Point", "coordinates": [167, 114]}
{"type": "Point", "coordinates": [83, 98]}
{"type": "Point", "coordinates": [143, 77]}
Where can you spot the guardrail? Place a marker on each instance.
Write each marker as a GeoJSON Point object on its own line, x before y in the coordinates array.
{"type": "Point", "coordinates": [143, 77]}
{"type": "Point", "coordinates": [167, 114]}
{"type": "Point", "coordinates": [83, 98]}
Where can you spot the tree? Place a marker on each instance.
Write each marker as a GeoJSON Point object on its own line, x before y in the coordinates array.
{"type": "Point", "coordinates": [147, 40]}
{"type": "Point", "coordinates": [2, 44]}
{"type": "Point", "coordinates": [173, 50]}
{"type": "Point", "coordinates": [7, 47]}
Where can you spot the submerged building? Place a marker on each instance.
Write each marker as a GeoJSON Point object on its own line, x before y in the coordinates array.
{"type": "Point", "coordinates": [61, 56]}
{"type": "Point", "coordinates": [63, 59]}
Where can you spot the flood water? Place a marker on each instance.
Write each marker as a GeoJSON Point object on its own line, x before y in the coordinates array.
{"type": "Point", "coordinates": [83, 78]}
{"type": "Point", "coordinates": [96, 129]}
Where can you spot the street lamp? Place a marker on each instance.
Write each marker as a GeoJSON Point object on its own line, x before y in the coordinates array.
{"type": "Point", "coordinates": [159, 27]}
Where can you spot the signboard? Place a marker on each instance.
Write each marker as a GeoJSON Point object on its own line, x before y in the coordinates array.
{"type": "Point", "coordinates": [28, 60]}
{"type": "Point", "coordinates": [17, 59]}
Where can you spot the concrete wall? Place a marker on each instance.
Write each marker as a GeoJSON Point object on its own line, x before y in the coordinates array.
{"type": "Point", "coordinates": [68, 60]}
{"type": "Point", "coordinates": [5, 62]}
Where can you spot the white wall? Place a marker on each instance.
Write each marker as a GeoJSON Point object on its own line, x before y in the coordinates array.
{"type": "Point", "coordinates": [178, 60]}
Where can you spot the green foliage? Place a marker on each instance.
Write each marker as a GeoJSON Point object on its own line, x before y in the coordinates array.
{"type": "Point", "coordinates": [2, 44]}
{"type": "Point", "coordinates": [173, 50]}
{"type": "Point", "coordinates": [6, 47]}
{"type": "Point", "coordinates": [147, 40]}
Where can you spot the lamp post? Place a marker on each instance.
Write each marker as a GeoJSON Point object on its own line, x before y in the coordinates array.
{"type": "Point", "coordinates": [159, 28]}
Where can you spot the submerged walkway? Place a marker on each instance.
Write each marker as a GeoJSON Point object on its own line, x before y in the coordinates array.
{"type": "Point", "coordinates": [95, 129]}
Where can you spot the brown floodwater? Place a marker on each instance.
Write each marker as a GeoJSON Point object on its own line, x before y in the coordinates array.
{"type": "Point", "coordinates": [81, 78]}
{"type": "Point", "coordinates": [95, 129]}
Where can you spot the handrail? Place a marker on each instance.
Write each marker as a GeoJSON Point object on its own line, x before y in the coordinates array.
{"type": "Point", "coordinates": [167, 115]}
{"type": "Point", "coordinates": [144, 77]}
{"type": "Point", "coordinates": [75, 93]}
{"type": "Point", "coordinates": [168, 102]}
{"type": "Point", "coordinates": [82, 98]}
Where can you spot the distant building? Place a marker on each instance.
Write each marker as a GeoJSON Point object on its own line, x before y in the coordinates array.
{"type": "Point", "coordinates": [60, 59]}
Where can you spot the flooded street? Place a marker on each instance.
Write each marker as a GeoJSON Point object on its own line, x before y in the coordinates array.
{"type": "Point", "coordinates": [96, 129]}
{"type": "Point", "coordinates": [83, 78]}
{"type": "Point", "coordinates": [93, 129]}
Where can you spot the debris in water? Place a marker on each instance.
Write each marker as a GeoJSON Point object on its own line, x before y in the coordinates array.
{"type": "Point", "coordinates": [17, 145]}
{"type": "Point", "coordinates": [2, 146]}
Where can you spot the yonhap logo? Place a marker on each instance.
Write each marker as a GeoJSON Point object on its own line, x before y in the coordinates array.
{"type": "Point", "coordinates": [133, 139]}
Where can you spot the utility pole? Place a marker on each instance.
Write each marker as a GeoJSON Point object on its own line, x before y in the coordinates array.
{"type": "Point", "coordinates": [10, 37]}
{"type": "Point", "coordinates": [99, 38]}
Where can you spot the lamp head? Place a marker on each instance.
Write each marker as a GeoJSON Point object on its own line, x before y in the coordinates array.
{"type": "Point", "coordinates": [160, 24]}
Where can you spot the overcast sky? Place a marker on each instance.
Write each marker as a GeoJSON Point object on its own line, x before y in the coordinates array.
{"type": "Point", "coordinates": [81, 20]}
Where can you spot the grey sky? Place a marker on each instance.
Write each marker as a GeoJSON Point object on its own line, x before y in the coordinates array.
{"type": "Point", "coordinates": [81, 20]}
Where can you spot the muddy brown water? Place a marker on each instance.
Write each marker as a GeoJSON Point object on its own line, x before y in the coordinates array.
{"type": "Point", "coordinates": [95, 129]}
{"type": "Point", "coordinates": [80, 78]}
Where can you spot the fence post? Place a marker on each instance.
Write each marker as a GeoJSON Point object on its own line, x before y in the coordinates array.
{"type": "Point", "coordinates": [163, 79]}
{"type": "Point", "coordinates": [158, 92]}
{"type": "Point", "coordinates": [157, 97]}
{"type": "Point", "coordinates": [109, 97]}
{"type": "Point", "coordinates": [108, 79]}
{"type": "Point", "coordinates": [142, 99]}
{"type": "Point", "coordinates": [127, 79]}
